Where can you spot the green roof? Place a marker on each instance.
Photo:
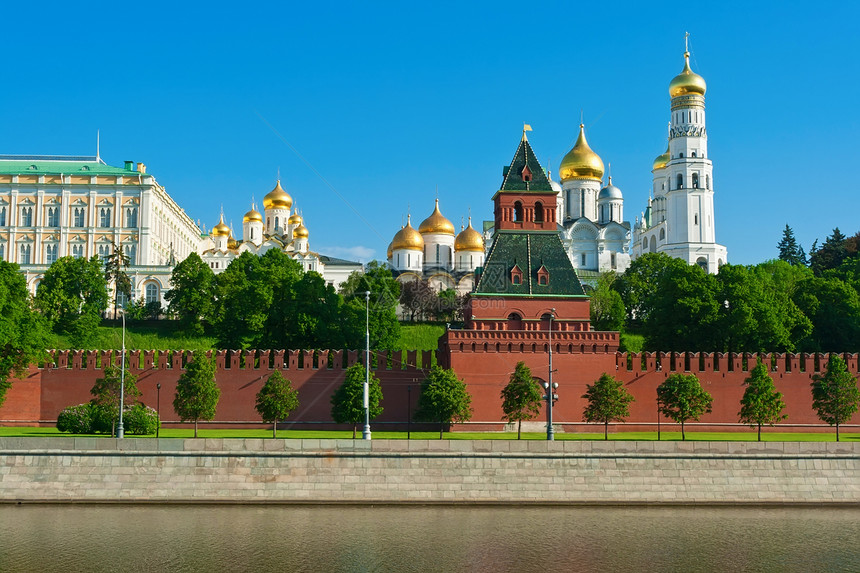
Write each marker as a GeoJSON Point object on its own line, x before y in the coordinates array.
{"type": "Point", "coordinates": [54, 165]}
{"type": "Point", "coordinates": [513, 179]}
{"type": "Point", "coordinates": [528, 250]}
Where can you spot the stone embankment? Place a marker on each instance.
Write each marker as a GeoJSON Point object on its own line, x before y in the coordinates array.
{"type": "Point", "coordinates": [426, 471]}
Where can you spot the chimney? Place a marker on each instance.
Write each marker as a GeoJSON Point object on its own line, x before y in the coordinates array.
{"type": "Point", "coordinates": [129, 165]}
{"type": "Point", "coordinates": [141, 168]}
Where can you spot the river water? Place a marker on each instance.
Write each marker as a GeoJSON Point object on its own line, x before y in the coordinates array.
{"type": "Point", "coordinates": [427, 539]}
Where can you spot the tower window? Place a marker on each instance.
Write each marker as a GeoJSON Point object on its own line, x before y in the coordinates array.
{"type": "Point", "coordinates": [680, 181]}
{"type": "Point", "coordinates": [696, 219]}
{"type": "Point", "coordinates": [693, 154]}
{"type": "Point", "coordinates": [518, 212]}
{"type": "Point", "coordinates": [695, 180]}
{"type": "Point", "coordinates": [681, 155]}
{"type": "Point", "coordinates": [583, 259]}
{"type": "Point", "coordinates": [612, 260]}
{"type": "Point", "coordinates": [538, 212]}
{"type": "Point", "coordinates": [707, 181]}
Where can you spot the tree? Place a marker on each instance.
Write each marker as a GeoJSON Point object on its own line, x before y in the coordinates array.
{"type": "Point", "coordinates": [115, 265]}
{"type": "Point", "coordinates": [681, 398]}
{"type": "Point", "coordinates": [608, 401]}
{"type": "Point", "coordinates": [835, 396]}
{"type": "Point", "coordinates": [443, 399]}
{"type": "Point", "coordinates": [830, 255]}
{"type": "Point", "coordinates": [833, 307]}
{"type": "Point", "coordinates": [347, 403]}
{"type": "Point", "coordinates": [384, 295]}
{"type": "Point", "coordinates": [276, 399]}
{"type": "Point", "coordinates": [197, 393]}
{"type": "Point", "coordinates": [191, 297]}
{"type": "Point", "coordinates": [761, 403]}
{"type": "Point", "coordinates": [418, 298]}
{"type": "Point", "coordinates": [607, 308]}
{"type": "Point", "coordinates": [23, 332]}
{"type": "Point", "coordinates": [789, 249]}
{"type": "Point", "coordinates": [521, 398]}
{"type": "Point", "coordinates": [106, 393]}
{"type": "Point", "coordinates": [72, 296]}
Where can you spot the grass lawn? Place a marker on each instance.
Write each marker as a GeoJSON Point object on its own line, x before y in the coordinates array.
{"type": "Point", "coordinates": [383, 435]}
{"type": "Point", "coordinates": [419, 336]}
{"type": "Point", "coordinates": [163, 336]}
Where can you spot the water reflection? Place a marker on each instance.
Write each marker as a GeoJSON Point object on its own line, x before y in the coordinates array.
{"type": "Point", "coordinates": [333, 538]}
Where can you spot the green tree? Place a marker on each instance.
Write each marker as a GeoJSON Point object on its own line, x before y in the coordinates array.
{"type": "Point", "coordinates": [191, 297]}
{"type": "Point", "coordinates": [521, 397]}
{"type": "Point", "coordinates": [608, 401]}
{"type": "Point", "coordinates": [347, 403]}
{"type": "Point", "coordinates": [682, 398]}
{"type": "Point", "coordinates": [761, 403]}
{"type": "Point", "coordinates": [443, 399]}
{"type": "Point", "coordinates": [448, 305]}
{"type": "Point", "coordinates": [830, 255]}
{"type": "Point", "coordinates": [23, 332]}
{"type": "Point", "coordinates": [835, 396]}
{"type": "Point", "coordinates": [789, 249]}
{"type": "Point", "coordinates": [276, 400]}
{"type": "Point", "coordinates": [833, 307]}
{"type": "Point", "coordinates": [607, 308]}
{"type": "Point", "coordinates": [418, 298]}
{"type": "Point", "coordinates": [197, 392]}
{"type": "Point", "coordinates": [684, 311]}
{"type": "Point", "coordinates": [115, 265]}
{"type": "Point", "coordinates": [106, 393]}
{"type": "Point", "coordinates": [384, 295]}
{"type": "Point", "coordinates": [72, 296]}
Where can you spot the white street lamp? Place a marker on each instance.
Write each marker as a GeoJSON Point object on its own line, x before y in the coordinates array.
{"type": "Point", "coordinates": [120, 433]}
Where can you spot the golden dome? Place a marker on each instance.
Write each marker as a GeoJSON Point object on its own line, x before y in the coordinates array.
{"type": "Point", "coordinates": [300, 232]}
{"type": "Point", "coordinates": [232, 243]}
{"type": "Point", "coordinates": [687, 82]}
{"type": "Point", "coordinates": [253, 216]}
{"type": "Point", "coordinates": [295, 219]}
{"type": "Point", "coordinates": [581, 161]}
{"type": "Point", "coordinates": [662, 160]}
{"type": "Point", "coordinates": [277, 198]}
{"type": "Point", "coordinates": [390, 251]}
{"type": "Point", "coordinates": [436, 223]}
{"type": "Point", "coordinates": [407, 238]}
{"type": "Point", "coordinates": [221, 230]}
{"type": "Point", "coordinates": [469, 240]}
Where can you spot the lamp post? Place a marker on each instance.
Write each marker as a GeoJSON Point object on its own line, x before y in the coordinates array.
{"type": "Point", "coordinates": [409, 412]}
{"type": "Point", "coordinates": [550, 386]}
{"type": "Point", "coordinates": [120, 433]}
{"type": "Point", "coordinates": [158, 407]}
{"type": "Point", "coordinates": [366, 433]}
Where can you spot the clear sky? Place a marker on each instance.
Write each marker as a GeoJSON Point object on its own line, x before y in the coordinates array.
{"type": "Point", "coordinates": [365, 108]}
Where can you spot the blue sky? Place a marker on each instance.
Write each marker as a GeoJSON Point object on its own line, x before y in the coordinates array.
{"type": "Point", "coordinates": [366, 108]}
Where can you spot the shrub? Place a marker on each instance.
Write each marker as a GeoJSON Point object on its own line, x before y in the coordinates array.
{"type": "Point", "coordinates": [140, 420]}
{"type": "Point", "coordinates": [76, 419]}
{"type": "Point", "coordinates": [102, 419]}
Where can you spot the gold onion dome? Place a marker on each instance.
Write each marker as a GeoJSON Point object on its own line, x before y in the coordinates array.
{"type": "Point", "coordinates": [469, 239]}
{"type": "Point", "coordinates": [436, 223]}
{"type": "Point", "coordinates": [581, 161]}
{"type": "Point", "coordinates": [390, 251]}
{"type": "Point", "coordinates": [300, 232]}
{"type": "Point", "coordinates": [687, 82]}
{"type": "Point", "coordinates": [252, 216]}
{"type": "Point", "coordinates": [407, 238]}
{"type": "Point", "coordinates": [295, 219]}
{"type": "Point", "coordinates": [221, 230]}
{"type": "Point", "coordinates": [232, 243]}
{"type": "Point", "coordinates": [277, 198]}
{"type": "Point", "coordinates": [661, 160]}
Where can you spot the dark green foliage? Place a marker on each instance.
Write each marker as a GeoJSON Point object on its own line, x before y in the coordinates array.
{"type": "Point", "coordinates": [276, 399]}
{"type": "Point", "coordinates": [23, 332]}
{"type": "Point", "coordinates": [682, 398]}
{"type": "Point", "coordinates": [192, 294]}
{"type": "Point", "coordinates": [608, 401]}
{"type": "Point", "coordinates": [140, 420]}
{"type": "Point", "coordinates": [384, 296]}
{"type": "Point", "coordinates": [830, 255]}
{"type": "Point", "coordinates": [417, 298]}
{"type": "Point", "coordinates": [90, 418]}
{"type": "Point", "coordinates": [761, 403]}
{"type": "Point", "coordinates": [106, 392]}
{"type": "Point", "coordinates": [72, 297]}
{"type": "Point", "coordinates": [443, 399]}
{"type": "Point", "coordinates": [835, 396]}
{"type": "Point", "coordinates": [833, 307]}
{"type": "Point", "coordinates": [197, 393]}
{"type": "Point", "coordinates": [521, 397]}
{"type": "Point", "coordinates": [789, 249]}
{"type": "Point", "coordinates": [76, 419]}
{"type": "Point", "coordinates": [347, 403]}
{"type": "Point", "coordinates": [607, 308]}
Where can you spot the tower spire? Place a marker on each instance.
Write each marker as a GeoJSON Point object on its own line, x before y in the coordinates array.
{"type": "Point", "coordinates": [98, 144]}
{"type": "Point", "coordinates": [687, 42]}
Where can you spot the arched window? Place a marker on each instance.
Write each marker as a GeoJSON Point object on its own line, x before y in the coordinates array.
{"type": "Point", "coordinates": [695, 180]}
{"type": "Point", "coordinates": [2, 216]}
{"type": "Point", "coordinates": [662, 234]}
{"type": "Point", "coordinates": [680, 181]}
{"type": "Point", "coordinates": [653, 244]}
{"type": "Point", "coordinates": [277, 220]}
{"type": "Point", "coordinates": [50, 254]}
{"type": "Point", "coordinates": [693, 154]}
{"type": "Point", "coordinates": [27, 217]}
{"type": "Point", "coordinates": [538, 212]}
{"type": "Point", "coordinates": [53, 217]}
{"type": "Point", "coordinates": [152, 293]}
{"type": "Point", "coordinates": [703, 263]}
{"type": "Point", "coordinates": [252, 233]}
{"type": "Point", "coordinates": [644, 243]}
{"type": "Point", "coordinates": [25, 254]}
{"type": "Point", "coordinates": [582, 202]}
{"type": "Point", "coordinates": [517, 279]}
{"type": "Point", "coordinates": [515, 322]}
{"type": "Point", "coordinates": [518, 212]}
{"type": "Point", "coordinates": [104, 217]}
{"type": "Point", "coordinates": [2, 251]}
{"type": "Point", "coordinates": [131, 217]}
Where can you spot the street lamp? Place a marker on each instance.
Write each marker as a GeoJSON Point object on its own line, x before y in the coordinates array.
{"type": "Point", "coordinates": [158, 407]}
{"type": "Point", "coordinates": [550, 386]}
{"type": "Point", "coordinates": [120, 433]}
{"type": "Point", "coordinates": [409, 411]}
{"type": "Point", "coordinates": [366, 432]}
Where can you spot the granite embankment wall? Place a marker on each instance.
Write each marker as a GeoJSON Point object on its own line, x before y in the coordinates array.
{"type": "Point", "coordinates": [421, 471]}
{"type": "Point", "coordinates": [67, 378]}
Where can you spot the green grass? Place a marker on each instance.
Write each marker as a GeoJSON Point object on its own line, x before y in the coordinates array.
{"type": "Point", "coordinates": [263, 432]}
{"type": "Point", "coordinates": [419, 336]}
{"type": "Point", "coordinates": [163, 336]}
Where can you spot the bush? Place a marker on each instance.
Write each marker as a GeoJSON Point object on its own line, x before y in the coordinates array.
{"type": "Point", "coordinates": [75, 419]}
{"type": "Point", "coordinates": [140, 420]}
{"type": "Point", "coordinates": [102, 419]}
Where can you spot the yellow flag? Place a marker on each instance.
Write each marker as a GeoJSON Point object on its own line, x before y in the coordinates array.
{"type": "Point", "coordinates": [527, 127]}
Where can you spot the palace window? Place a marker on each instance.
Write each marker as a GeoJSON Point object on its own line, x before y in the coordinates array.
{"type": "Point", "coordinates": [104, 252]}
{"type": "Point", "coordinates": [131, 217]}
{"type": "Point", "coordinates": [2, 216]}
{"type": "Point", "coordinates": [131, 251]}
{"type": "Point", "coordinates": [53, 217]}
{"type": "Point", "coordinates": [25, 255]}
{"type": "Point", "coordinates": [51, 254]}
{"type": "Point", "coordinates": [104, 217]}
{"type": "Point", "coordinates": [77, 251]}
{"type": "Point", "coordinates": [152, 293]}
{"type": "Point", "coordinates": [2, 251]}
{"type": "Point", "coordinates": [26, 216]}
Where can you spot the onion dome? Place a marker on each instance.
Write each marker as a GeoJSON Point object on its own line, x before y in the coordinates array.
{"type": "Point", "coordinates": [609, 192]}
{"type": "Point", "coordinates": [389, 252]}
{"type": "Point", "coordinates": [221, 230]}
{"type": "Point", "coordinates": [277, 198]}
{"type": "Point", "coordinates": [581, 161]}
{"type": "Point", "coordinates": [295, 219]}
{"type": "Point", "coordinates": [232, 243]}
{"type": "Point", "coordinates": [661, 160]}
{"type": "Point", "coordinates": [253, 216]}
{"type": "Point", "coordinates": [407, 238]}
{"type": "Point", "coordinates": [687, 82]}
{"type": "Point", "coordinates": [469, 240]}
{"type": "Point", "coordinates": [300, 232]}
{"type": "Point", "coordinates": [436, 223]}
